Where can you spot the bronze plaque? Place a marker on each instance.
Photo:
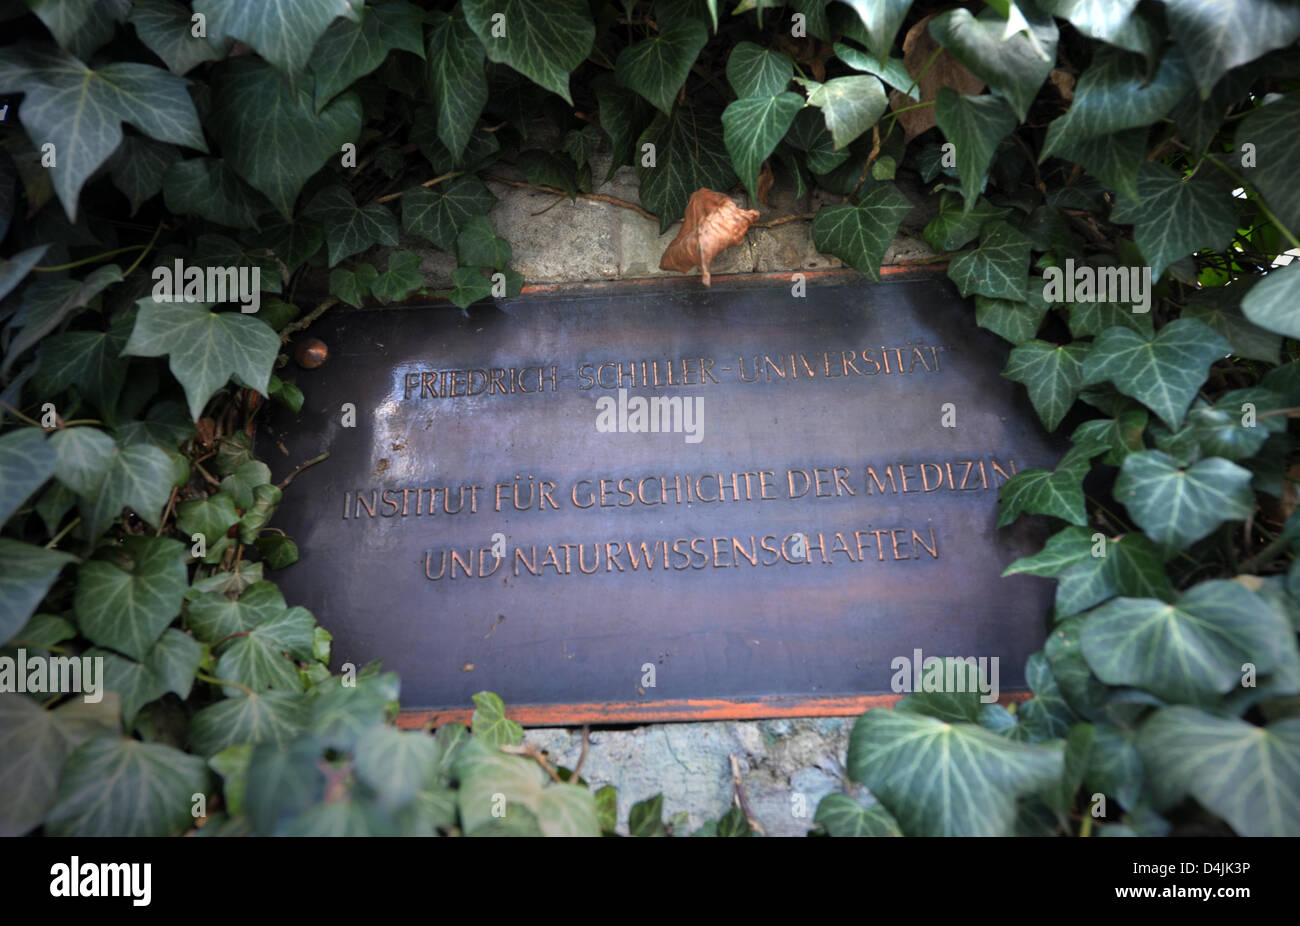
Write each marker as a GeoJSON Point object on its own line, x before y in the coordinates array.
{"type": "Point", "coordinates": [673, 502]}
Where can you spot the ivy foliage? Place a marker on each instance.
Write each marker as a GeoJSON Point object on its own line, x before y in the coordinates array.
{"type": "Point", "coordinates": [293, 138]}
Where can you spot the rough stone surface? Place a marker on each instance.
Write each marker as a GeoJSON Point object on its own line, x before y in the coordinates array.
{"type": "Point", "coordinates": [787, 766]}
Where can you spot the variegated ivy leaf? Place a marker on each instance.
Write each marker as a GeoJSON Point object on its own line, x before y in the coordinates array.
{"type": "Point", "coordinates": [54, 84]}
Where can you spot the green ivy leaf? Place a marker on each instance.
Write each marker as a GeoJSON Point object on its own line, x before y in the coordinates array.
{"type": "Point", "coordinates": [14, 269]}
{"type": "Point", "coordinates": [108, 476]}
{"type": "Point", "coordinates": [470, 286]}
{"type": "Point", "coordinates": [1092, 318]}
{"type": "Point", "coordinates": [396, 764]}
{"type": "Point", "coordinates": [490, 724]}
{"type": "Point", "coordinates": [1219, 308]}
{"type": "Point", "coordinates": [283, 32]}
{"type": "Point", "coordinates": [349, 228]}
{"type": "Point", "coordinates": [256, 657]}
{"type": "Point", "coordinates": [353, 286]}
{"type": "Point", "coordinates": [891, 70]}
{"type": "Point", "coordinates": [1164, 372]}
{"type": "Point", "coordinates": [90, 360]}
{"type": "Point", "coordinates": [1271, 129]}
{"type": "Point", "coordinates": [34, 742]}
{"type": "Point", "coordinates": [880, 19]}
{"type": "Point", "coordinates": [1014, 66]}
{"type": "Point", "coordinates": [27, 574]}
{"type": "Point", "coordinates": [1174, 217]}
{"type": "Point", "coordinates": [1058, 493]}
{"type": "Point", "coordinates": [456, 80]}
{"type": "Point", "coordinates": [439, 213]}
{"type": "Point", "coordinates": [1187, 652]}
{"type": "Point", "coordinates": [293, 242]}
{"type": "Point", "coordinates": [214, 616]}
{"type": "Point", "coordinates": [1110, 21]}
{"type": "Point", "coordinates": [1219, 430]}
{"type": "Point", "coordinates": [283, 779]}
{"type": "Point", "coordinates": [947, 779]}
{"type": "Point", "coordinates": [276, 717]}
{"type": "Point", "coordinates": [530, 806]}
{"type": "Point", "coordinates": [138, 167]}
{"type": "Point", "coordinates": [48, 303]}
{"type": "Point", "coordinates": [246, 477]}
{"type": "Point", "coordinates": [477, 244]}
{"type": "Point", "coordinates": [1114, 94]}
{"type": "Point", "coordinates": [204, 348]}
{"type": "Point", "coordinates": [164, 27]}
{"type": "Point", "coordinates": [543, 39]}
{"type": "Point", "coordinates": [1052, 374]}
{"type": "Point", "coordinates": [1248, 775]}
{"type": "Point", "coordinates": [1178, 506]}
{"type": "Point", "coordinates": [1228, 33]}
{"type": "Point", "coordinates": [278, 552]}
{"type": "Point", "coordinates": [999, 267]}
{"type": "Point", "coordinates": [975, 125]}
{"type": "Point", "coordinates": [209, 188]}
{"type": "Point", "coordinates": [841, 815]}
{"type": "Point", "coordinates": [809, 134]}
{"type": "Point", "coordinates": [658, 66]}
{"type": "Point", "coordinates": [954, 226]}
{"type": "Point", "coordinates": [122, 787]}
{"type": "Point", "coordinates": [350, 49]}
{"type": "Point", "coordinates": [26, 461]}
{"type": "Point", "coordinates": [55, 84]}
{"type": "Point", "coordinates": [850, 105]}
{"type": "Point", "coordinates": [1271, 303]}
{"type": "Point", "coordinates": [646, 818]}
{"type": "Point", "coordinates": [128, 609]}
{"type": "Point", "coordinates": [1114, 159]}
{"type": "Point", "coordinates": [624, 115]}
{"type": "Point", "coordinates": [751, 128]}
{"type": "Point", "coordinates": [690, 153]}
{"type": "Point", "coordinates": [859, 235]}
{"type": "Point", "coordinates": [341, 715]}
{"type": "Point", "coordinates": [272, 135]}
{"type": "Point", "coordinates": [212, 517]}
{"type": "Point", "coordinates": [400, 280]}
{"type": "Point", "coordinates": [1017, 322]}
{"type": "Point", "coordinates": [753, 70]}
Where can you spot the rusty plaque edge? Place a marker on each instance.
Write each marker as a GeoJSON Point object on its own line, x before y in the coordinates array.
{"type": "Point", "coordinates": [679, 710]}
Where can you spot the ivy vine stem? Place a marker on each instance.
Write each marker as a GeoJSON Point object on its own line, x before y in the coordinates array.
{"type": "Point", "coordinates": [91, 260]}
{"type": "Point", "coordinates": [204, 677]}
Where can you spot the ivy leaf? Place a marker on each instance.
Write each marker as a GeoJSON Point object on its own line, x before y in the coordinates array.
{"type": "Point", "coordinates": [1228, 33]}
{"type": "Point", "coordinates": [14, 269]}
{"type": "Point", "coordinates": [1271, 303]}
{"type": "Point", "coordinates": [349, 228]}
{"type": "Point", "coordinates": [1114, 94]}
{"type": "Point", "coordinates": [1248, 775]}
{"type": "Point", "coordinates": [624, 115]}
{"type": "Point", "coordinates": [1014, 66]}
{"type": "Point", "coordinates": [283, 32]}
{"type": "Point", "coordinates": [1092, 318]}
{"type": "Point", "coordinates": [542, 39]}
{"type": "Point", "coordinates": [891, 70]}
{"type": "Point", "coordinates": [490, 724]}
{"type": "Point", "coordinates": [955, 226]}
{"type": "Point", "coordinates": [753, 70]}
{"type": "Point", "coordinates": [1187, 652]}
{"type": "Point", "coordinates": [204, 348]}
{"type": "Point", "coordinates": [90, 360]}
{"type": "Point", "coordinates": [690, 154]}
{"type": "Point", "coordinates": [350, 49]}
{"type": "Point", "coordinates": [1271, 129]}
{"type": "Point", "coordinates": [48, 303]}
{"type": "Point", "coordinates": [164, 27]}
{"type": "Point", "coordinates": [1219, 308]}
{"type": "Point", "coordinates": [1045, 715]}
{"type": "Point", "coordinates": [107, 476]}
{"type": "Point", "coordinates": [55, 84]}
{"type": "Point", "coordinates": [1058, 493]}
{"type": "Point", "coordinates": [138, 167]}
{"type": "Point", "coordinates": [470, 286]}
{"type": "Point", "coordinates": [439, 213]}
{"type": "Point", "coordinates": [1164, 372]}
{"type": "Point", "coordinates": [1174, 217]}
{"type": "Point", "coordinates": [275, 717]}
{"type": "Point", "coordinates": [1110, 21]}
{"type": "Point", "coordinates": [999, 267]}
{"type": "Point", "coordinates": [26, 461]}
{"type": "Point", "coordinates": [122, 787]}
{"type": "Point", "coordinates": [27, 574]}
{"type": "Point", "coordinates": [1052, 374]}
{"type": "Point", "coordinates": [881, 19]}
{"type": "Point", "coordinates": [33, 745]}
{"type": "Point", "coordinates": [1114, 159]}
{"type": "Point", "coordinates": [396, 764]}
{"type": "Point", "coordinates": [175, 659]}
{"type": "Point", "coordinates": [840, 815]}
{"type": "Point", "coordinates": [211, 518]}
{"type": "Point", "coordinates": [658, 66]}
{"type": "Point", "coordinates": [1016, 322]}
{"type": "Point", "coordinates": [477, 244]}
{"type": "Point", "coordinates": [1128, 565]}
{"type": "Point", "coordinates": [947, 779]}
{"type": "Point", "coordinates": [808, 134]}
{"type": "Point", "coordinates": [1178, 506]}
{"type": "Point", "coordinates": [257, 659]}
{"type": "Point", "coordinates": [1219, 429]}
{"type": "Point", "coordinates": [272, 135]}
{"type": "Point", "coordinates": [213, 615]}
{"type": "Point", "coordinates": [751, 128]}
{"type": "Point", "coordinates": [246, 477]}
{"type": "Point", "coordinates": [850, 105]}
{"type": "Point", "coordinates": [353, 286]}
{"type": "Point", "coordinates": [293, 242]}
{"type": "Point", "coordinates": [400, 279]}
{"type": "Point", "coordinates": [860, 235]}
{"type": "Point", "coordinates": [456, 80]}
{"type": "Point", "coordinates": [975, 125]}
{"type": "Point", "coordinates": [128, 609]}
{"type": "Point", "coordinates": [210, 189]}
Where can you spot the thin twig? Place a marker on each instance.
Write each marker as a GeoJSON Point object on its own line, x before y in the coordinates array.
{"type": "Point", "coordinates": [577, 769]}
{"type": "Point", "coordinates": [302, 323]}
{"type": "Point", "coordinates": [875, 150]}
{"type": "Point", "coordinates": [530, 751]}
{"type": "Point", "coordinates": [741, 799]}
{"type": "Point", "coordinates": [441, 177]}
{"type": "Point", "coordinates": [773, 223]}
{"type": "Point", "coordinates": [595, 197]}
{"type": "Point", "coordinates": [171, 503]}
{"type": "Point", "coordinates": [312, 462]}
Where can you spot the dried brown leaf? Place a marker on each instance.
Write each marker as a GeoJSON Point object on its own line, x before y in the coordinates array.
{"type": "Point", "coordinates": [946, 71]}
{"type": "Point", "coordinates": [712, 224]}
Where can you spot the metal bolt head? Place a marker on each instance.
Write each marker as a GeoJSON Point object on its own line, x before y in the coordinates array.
{"type": "Point", "coordinates": [312, 353]}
